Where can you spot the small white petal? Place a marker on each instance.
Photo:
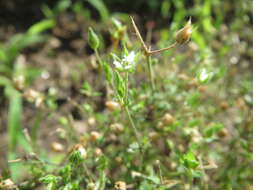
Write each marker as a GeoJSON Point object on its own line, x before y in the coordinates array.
{"type": "Point", "coordinates": [130, 58]}
{"type": "Point", "coordinates": [204, 75]}
{"type": "Point", "coordinates": [117, 64]}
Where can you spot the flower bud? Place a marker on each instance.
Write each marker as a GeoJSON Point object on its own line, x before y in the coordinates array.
{"type": "Point", "coordinates": [184, 34]}
{"type": "Point", "coordinates": [93, 39]}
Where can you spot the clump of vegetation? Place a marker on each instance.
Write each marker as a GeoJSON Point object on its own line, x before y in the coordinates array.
{"type": "Point", "coordinates": [103, 110]}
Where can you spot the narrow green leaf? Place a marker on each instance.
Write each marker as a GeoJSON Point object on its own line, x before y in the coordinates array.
{"type": "Point", "coordinates": [41, 26]}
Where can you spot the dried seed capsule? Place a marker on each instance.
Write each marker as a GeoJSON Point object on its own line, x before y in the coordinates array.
{"type": "Point", "coordinates": [120, 185]}
{"type": "Point", "coordinates": [112, 106]}
{"type": "Point", "coordinates": [19, 82]}
{"type": "Point", "coordinates": [167, 119]}
{"type": "Point", "coordinates": [117, 127]}
{"type": "Point", "coordinates": [184, 34]}
{"type": "Point", "coordinates": [57, 147]}
{"type": "Point", "coordinates": [98, 152]}
{"type": "Point", "coordinates": [94, 136]}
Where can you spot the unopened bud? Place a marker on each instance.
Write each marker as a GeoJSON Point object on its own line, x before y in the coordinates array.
{"type": "Point", "coordinates": [184, 34]}
{"type": "Point", "coordinates": [112, 106]}
{"type": "Point", "coordinates": [93, 39]}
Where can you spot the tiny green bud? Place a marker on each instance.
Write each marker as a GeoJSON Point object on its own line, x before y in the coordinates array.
{"type": "Point", "coordinates": [93, 39]}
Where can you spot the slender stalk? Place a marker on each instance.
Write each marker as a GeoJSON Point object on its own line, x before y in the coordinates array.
{"type": "Point", "coordinates": [191, 181]}
{"type": "Point", "coordinates": [126, 88]}
{"type": "Point", "coordinates": [151, 75]}
{"type": "Point", "coordinates": [149, 52]}
{"type": "Point", "coordinates": [139, 36]}
{"type": "Point", "coordinates": [98, 57]}
{"type": "Point", "coordinates": [204, 184]}
{"type": "Point", "coordinates": [163, 49]}
{"type": "Point", "coordinates": [160, 172]}
{"type": "Point", "coordinates": [134, 128]}
{"type": "Point", "coordinates": [107, 85]}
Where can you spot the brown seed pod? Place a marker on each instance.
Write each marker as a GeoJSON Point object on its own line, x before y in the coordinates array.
{"type": "Point", "coordinates": [120, 185]}
{"type": "Point", "coordinates": [184, 34]}
{"type": "Point", "coordinates": [112, 105]}
{"type": "Point", "coordinates": [94, 136]}
{"type": "Point", "coordinates": [19, 82]}
{"type": "Point", "coordinates": [167, 119]}
{"type": "Point", "coordinates": [57, 147]}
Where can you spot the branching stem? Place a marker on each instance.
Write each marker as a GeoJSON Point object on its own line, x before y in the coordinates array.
{"type": "Point", "coordinates": [149, 52]}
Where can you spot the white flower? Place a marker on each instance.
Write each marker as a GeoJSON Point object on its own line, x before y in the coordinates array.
{"type": "Point", "coordinates": [129, 58]}
{"type": "Point", "coordinates": [117, 64]}
{"type": "Point", "coordinates": [127, 62]}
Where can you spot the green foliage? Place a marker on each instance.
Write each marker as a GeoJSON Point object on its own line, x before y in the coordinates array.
{"type": "Point", "coordinates": [50, 181]}
{"type": "Point", "coordinates": [41, 26]}
{"type": "Point", "coordinates": [189, 161]}
{"type": "Point", "coordinates": [100, 6]}
{"type": "Point", "coordinates": [166, 126]}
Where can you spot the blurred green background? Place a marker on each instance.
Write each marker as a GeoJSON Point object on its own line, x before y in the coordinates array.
{"type": "Point", "coordinates": [46, 40]}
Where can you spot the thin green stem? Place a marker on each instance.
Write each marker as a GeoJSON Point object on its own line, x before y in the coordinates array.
{"type": "Point", "coordinates": [98, 58]}
{"type": "Point", "coordinates": [191, 180]}
{"type": "Point", "coordinates": [163, 49]}
{"type": "Point", "coordinates": [107, 83]}
{"type": "Point", "coordinates": [151, 75]}
{"type": "Point", "coordinates": [134, 128]}
{"type": "Point", "coordinates": [160, 172]}
{"type": "Point", "coordinates": [126, 89]}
